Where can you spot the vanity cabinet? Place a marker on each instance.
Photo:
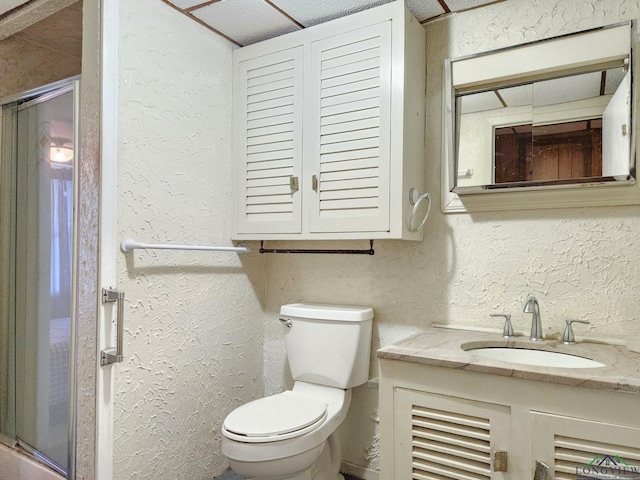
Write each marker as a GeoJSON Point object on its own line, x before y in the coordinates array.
{"type": "Point", "coordinates": [441, 422]}
{"type": "Point", "coordinates": [328, 129]}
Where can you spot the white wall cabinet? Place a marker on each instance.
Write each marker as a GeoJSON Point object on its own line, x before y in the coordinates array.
{"type": "Point", "coordinates": [443, 423]}
{"type": "Point", "coordinates": [329, 129]}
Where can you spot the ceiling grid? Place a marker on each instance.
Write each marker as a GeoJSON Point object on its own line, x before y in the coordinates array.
{"type": "Point", "coordinates": [244, 22]}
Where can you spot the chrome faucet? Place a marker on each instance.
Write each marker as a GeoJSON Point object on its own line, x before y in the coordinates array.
{"type": "Point", "coordinates": [531, 306]}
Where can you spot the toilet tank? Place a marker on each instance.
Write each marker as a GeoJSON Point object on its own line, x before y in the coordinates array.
{"type": "Point", "coordinates": [328, 344]}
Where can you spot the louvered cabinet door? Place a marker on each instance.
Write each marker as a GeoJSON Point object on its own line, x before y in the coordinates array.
{"type": "Point", "coordinates": [347, 131]}
{"type": "Point", "coordinates": [440, 437]}
{"type": "Point", "coordinates": [268, 142]}
{"type": "Point", "coordinates": [576, 448]}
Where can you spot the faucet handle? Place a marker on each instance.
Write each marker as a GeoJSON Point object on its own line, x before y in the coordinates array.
{"type": "Point", "coordinates": [568, 337]}
{"type": "Point", "coordinates": [507, 331]}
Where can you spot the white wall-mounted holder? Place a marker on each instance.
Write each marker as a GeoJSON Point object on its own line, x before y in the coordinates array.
{"type": "Point", "coordinates": [415, 198]}
{"type": "Point", "coordinates": [129, 244]}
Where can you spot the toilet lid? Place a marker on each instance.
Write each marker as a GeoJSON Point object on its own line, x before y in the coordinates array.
{"type": "Point", "coordinates": [275, 415]}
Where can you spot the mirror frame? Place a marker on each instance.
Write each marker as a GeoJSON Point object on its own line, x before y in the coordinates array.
{"type": "Point", "coordinates": [560, 195]}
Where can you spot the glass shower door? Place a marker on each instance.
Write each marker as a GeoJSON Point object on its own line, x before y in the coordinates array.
{"type": "Point", "coordinates": [42, 254]}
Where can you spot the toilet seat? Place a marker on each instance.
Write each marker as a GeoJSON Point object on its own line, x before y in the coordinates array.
{"type": "Point", "coordinates": [277, 417]}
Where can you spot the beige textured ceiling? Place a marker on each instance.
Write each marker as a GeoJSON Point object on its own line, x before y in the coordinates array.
{"type": "Point", "coordinates": [16, 15]}
{"type": "Point", "coordinates": [43, 52]}
{"type": "Point", "coordinates": [61, 31]}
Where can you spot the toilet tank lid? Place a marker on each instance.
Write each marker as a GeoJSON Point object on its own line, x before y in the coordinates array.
{"type": "Point", "coordinates": [349, 313]}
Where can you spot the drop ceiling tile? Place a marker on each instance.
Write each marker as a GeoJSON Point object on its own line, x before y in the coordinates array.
{"type": "Point", "coordinates": [185, 3]}
{"type": "Point", "coordinates": [567, 89]}
{"type": "Point", "coordinates": [457, 5]}
{"type": "Point", "coordinates": [245, 21]}
{"type": "Point", "coordinates": [517, 96]}
{"type": "Point", "coordinates": [479, 102]}
{"type": "Point", "coordinates": [424, 9]}
{"type": "Point", "coordinates": [613, 79]}
{"type": "Point", "coordinates": [312, 12]}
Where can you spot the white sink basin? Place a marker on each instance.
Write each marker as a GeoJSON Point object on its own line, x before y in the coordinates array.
{"type": "Point", "coordinates": [540, 358]}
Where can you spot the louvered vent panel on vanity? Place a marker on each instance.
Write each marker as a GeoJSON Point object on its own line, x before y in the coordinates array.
{"type": "Point", "coordinates": [571, 453]}
{"type": "Point", "coordinates": [271, 128]}
{"type": "Point", "coordinates": [450, 445]}
{"type": "Point", "coordinates": [353, 156]}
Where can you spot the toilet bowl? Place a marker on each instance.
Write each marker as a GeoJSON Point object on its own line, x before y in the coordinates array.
{"type": "Point", "coordinates": [285, 435]}
{"type": "Point", "coordinates": [291, 435]}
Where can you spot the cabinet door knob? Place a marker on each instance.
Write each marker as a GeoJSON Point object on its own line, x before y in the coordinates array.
{"type": "Point", "coordinates": [500, 461]}
{"type": "Point", "coordinates": [293, 183]}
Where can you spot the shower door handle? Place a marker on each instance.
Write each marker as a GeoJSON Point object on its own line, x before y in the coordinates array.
{"type": "Point", "coordinates": [114, 355]}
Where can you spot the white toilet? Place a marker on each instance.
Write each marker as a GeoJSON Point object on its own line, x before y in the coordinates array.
{"type": "Point", "coordinates": [291, 435]}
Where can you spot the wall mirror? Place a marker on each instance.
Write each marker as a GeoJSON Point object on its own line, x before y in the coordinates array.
{"type": "Point", "coordinates": [552, 115]}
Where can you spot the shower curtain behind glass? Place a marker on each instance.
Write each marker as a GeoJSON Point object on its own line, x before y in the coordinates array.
{"type": "Point", "coordinates": [39, 307]}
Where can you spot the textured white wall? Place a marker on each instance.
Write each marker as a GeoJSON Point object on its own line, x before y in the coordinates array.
{"type": "Point", "coordinates": [193, 338]}
{"type": "Point", "coordinates": [580, 263]}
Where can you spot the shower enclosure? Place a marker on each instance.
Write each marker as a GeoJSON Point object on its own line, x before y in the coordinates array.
{"type": "Point", "coordinates": [37, 183]}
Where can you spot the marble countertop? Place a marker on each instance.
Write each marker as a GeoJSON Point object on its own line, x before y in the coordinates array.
{"type": "Point", "coordinates": [441, 347]}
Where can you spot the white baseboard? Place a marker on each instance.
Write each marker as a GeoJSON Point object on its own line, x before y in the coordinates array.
{"type": "Point", "coordinates": [360, 472]}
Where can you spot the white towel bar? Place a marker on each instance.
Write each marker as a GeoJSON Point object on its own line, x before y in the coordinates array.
{"type": "Point", "coordinates": [129, 244]}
